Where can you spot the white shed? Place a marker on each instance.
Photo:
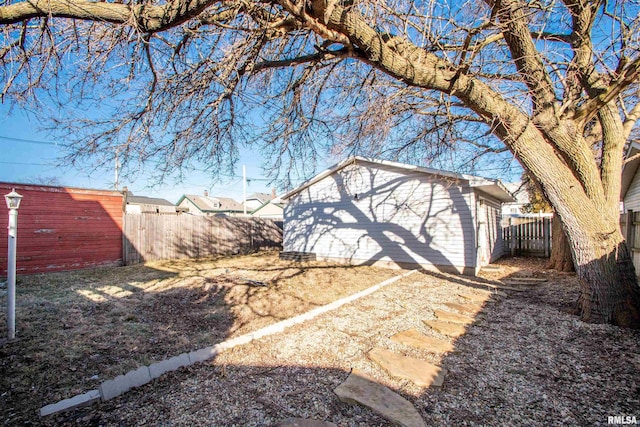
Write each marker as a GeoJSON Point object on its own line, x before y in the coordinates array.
{"type": "Point", "coordinates": [367, 211]}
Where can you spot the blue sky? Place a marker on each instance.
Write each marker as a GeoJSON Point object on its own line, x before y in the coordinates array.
{"type": "Point", "coordinates": [37, 161]}
{"type": "Point", "coordinates": [33, 156]}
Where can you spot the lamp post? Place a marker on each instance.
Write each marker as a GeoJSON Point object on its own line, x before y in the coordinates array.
{"type": "Point", "coordinates": [13, 203]}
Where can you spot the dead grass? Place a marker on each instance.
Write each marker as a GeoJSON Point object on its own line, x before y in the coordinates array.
{"type": "Point", "coordinates": [77, 329]}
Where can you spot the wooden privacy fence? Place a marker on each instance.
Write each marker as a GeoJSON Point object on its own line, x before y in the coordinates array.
{"type": "Point", "coordinates": [153, 236]}
{"type": "Point", "coordinates": [529, 236]}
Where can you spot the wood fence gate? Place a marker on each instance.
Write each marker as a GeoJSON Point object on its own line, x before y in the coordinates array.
{"type": "Point", "coordinates": [529, 236]}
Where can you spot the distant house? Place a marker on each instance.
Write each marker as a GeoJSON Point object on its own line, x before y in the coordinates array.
{"type": "Point", "coordinates": [142, 204]}
{"type": "Point", "coordinates": [367, 211]}
{"type": "Point", "coordinates": [521, 195]}
{"type": "Point", "coordinates": [273, 209]}
{"type": "Point", "coordinates": [208, 205]}
{"type": "Point", "coordinates": [258, 200]}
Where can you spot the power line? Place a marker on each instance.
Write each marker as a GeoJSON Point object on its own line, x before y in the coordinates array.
{"type": "Point", "coordinates": [26, 164]}
{"type": "Point", "coordinates": [30, 141]}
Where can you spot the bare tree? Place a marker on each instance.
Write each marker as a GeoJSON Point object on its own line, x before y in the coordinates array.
{"type": "Point", "coordinates": [552, 82]}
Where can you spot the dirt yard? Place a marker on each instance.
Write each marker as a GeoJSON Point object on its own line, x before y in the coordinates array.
{"type": "Point", "coordinates": [525, 361]}
{"type": "Point", "coordinates": [77, 329]}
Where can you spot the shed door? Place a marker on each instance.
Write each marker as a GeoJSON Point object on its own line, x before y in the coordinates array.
{"type": "Point", "coordinates": [489, 243]}
{"type": "Point", "coordinates": [484, 242]}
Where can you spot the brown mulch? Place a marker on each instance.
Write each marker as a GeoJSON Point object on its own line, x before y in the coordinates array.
{"type": "Point", "coordinates": [526, 361]}
{"type": "Point", "coordinates": [77, 329]}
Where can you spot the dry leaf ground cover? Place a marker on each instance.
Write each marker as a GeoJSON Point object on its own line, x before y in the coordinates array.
{"type": "Point", "coordinates": [526, 361]}
{"type": "Point", "coordinates": [77, 329]}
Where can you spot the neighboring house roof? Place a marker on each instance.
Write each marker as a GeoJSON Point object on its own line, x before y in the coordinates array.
{"type": "Point", "coordinates": [213, 204]}
{"type": "Point", "coordinates": [493, 187]}
{"type": "Point", "coordinates": [519, 191]}
{"type": "Point", "coordinates": [262, 197]}
{"type": "Point", "coordinates": [630, 168]}
{"type": "Point", "coordinates": [142, 200]}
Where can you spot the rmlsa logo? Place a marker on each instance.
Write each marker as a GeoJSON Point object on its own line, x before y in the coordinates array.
{"type": "Point", "coordinates": [623, 420]}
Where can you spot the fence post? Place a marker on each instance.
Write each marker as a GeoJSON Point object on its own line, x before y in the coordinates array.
{"type": "Point", "coordinates": [125, 250]}
{"type": "Point", "coordinates": [512, 240]}
{"type": "Point", "coordinates": [546, 235]}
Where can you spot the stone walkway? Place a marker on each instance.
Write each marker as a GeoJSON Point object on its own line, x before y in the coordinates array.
{"type": "Point", "coordinates": [359, 389]}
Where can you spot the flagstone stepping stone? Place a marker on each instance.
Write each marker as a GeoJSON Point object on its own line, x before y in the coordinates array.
{"type": "Point", "coordinates": [499, 293]}
{"type": "Point", "coordinates": [359, 389]}
{"type": "Point", "coordinates": [445, 328]}
{"type": "Point", "coordinates": [415, 338]}
{"type": "Point", "coordinates": [464, 308]}
{"type": "Point", "coordinates": [474, 298]}
{"type": "Point", "coordinates": [419, 372]}
{"type": "Point", "coordinates": [302, 422]}
{"type": "Point", "coordinates": [447, 316]}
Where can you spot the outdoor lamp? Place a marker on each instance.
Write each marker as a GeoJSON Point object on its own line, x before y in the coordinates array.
{"type": "Point", "coordinates": [13, 199]}
{"type": "Point", "coordinates": [13, 203]}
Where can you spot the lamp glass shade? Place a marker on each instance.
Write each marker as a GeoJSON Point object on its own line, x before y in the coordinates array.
{"type": "Point", "coordinates": [13, 199]}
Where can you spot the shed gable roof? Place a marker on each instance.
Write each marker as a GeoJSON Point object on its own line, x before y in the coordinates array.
{"type": "Point", "coordinates": [492, 187]}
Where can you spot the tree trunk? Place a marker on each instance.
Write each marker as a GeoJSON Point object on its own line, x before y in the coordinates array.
{"type": "Point", "coordinates": [609, 289]}
{"type": "Point", "coordinates": [560, 250]}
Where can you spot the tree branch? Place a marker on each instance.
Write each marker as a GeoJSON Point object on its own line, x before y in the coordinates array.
{"type": "Point", "coordinates": [631, 119]}
{"type": "Point", "coordinates": [581, 74]}
{"type": "Point", "coordinates": [316, 57]}
{"type": "Point", "coordinates": [148, 18]}
{"type": "Point", "coordinates": [630, 74]}
{"type": "Point", "coordinates": [513, 20]}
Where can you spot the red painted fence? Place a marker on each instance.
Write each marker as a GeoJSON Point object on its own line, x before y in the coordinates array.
{"type": "Point", "coordinates": [63, 228]}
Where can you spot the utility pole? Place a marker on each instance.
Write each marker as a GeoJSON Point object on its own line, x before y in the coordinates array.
{"type": "Point", "coordinates": [244, 188]}
{"type": "Point", "coordinates": [116, 177]}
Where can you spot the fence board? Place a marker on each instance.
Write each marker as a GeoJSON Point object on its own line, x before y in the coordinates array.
{"type": "Point", "coordinates": [153, 236]}
{"type": "Point", "coordinates": [527, 236]}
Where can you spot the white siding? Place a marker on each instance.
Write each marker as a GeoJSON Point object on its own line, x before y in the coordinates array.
{"type": "Point", "coordinates": [269, 211]}
{"type": "Point", "coordinates": [253, 204]}
{"type": "Point", "coordinates": [374, 213]}
{"type": "Point", "coordinates": [193, 209]}
{"type": "Point", "coordinates": [632, 198]}
{"type": "Point", "coordinates": [489, 216]}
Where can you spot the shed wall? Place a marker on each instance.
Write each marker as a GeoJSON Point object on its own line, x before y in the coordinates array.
{"type": "Point", "coordinates": [371, 213]}
{"type": "Point", "coordinates": [64, 229]}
